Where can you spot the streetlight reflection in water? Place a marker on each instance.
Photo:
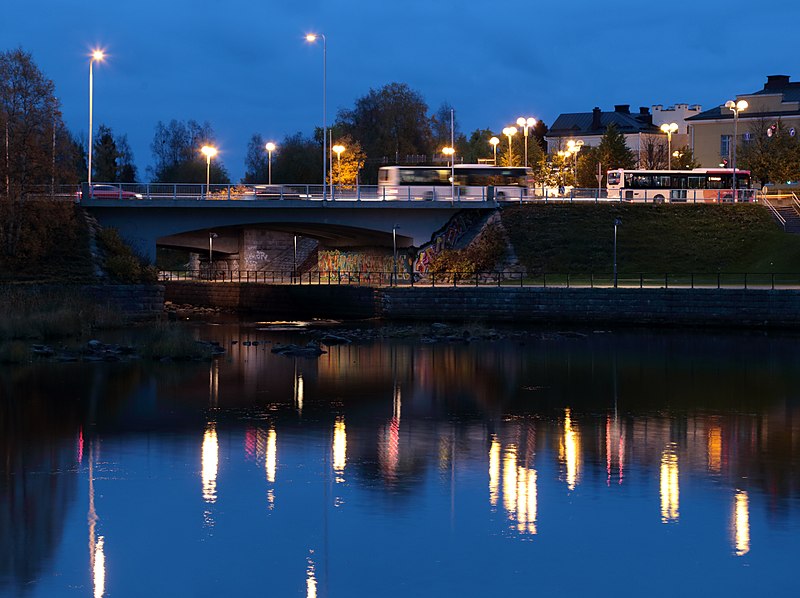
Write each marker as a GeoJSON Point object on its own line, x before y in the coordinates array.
{"type": "Point", "coordinates": [569, 451]}
{"type": "Point", "coordinates": [339, 449]}
{"type": "Point", "coordinates": [741, 523]}
{"type": "Point", "coordinates": [670, 490]}
{"type": "Point", "coordinates": [210, 463]}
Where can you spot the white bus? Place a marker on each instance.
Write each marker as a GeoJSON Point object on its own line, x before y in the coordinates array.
{"type": "Point", "coordinates": [704, 185]}
{"type": "Point", "coordinates": [478, 182]}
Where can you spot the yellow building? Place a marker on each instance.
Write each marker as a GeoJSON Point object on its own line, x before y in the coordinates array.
{"type": "Point", "coordinates": [711, 132]}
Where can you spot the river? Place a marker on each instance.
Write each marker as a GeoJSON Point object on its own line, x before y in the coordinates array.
{"type": "Point", "coordinates": [626, 462]}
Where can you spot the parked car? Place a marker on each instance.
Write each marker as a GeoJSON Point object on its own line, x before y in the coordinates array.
{"type": "Point", "coordinates": [111, 192]}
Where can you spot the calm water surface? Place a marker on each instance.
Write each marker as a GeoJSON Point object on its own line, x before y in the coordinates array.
{"type": "Point", "coordinates": [648, 463]}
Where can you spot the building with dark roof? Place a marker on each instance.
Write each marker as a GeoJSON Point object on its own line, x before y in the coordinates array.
{"type": "Point", "coordinates": [590, 127]}
{"type": "Point", "coordinates": [711, 132]}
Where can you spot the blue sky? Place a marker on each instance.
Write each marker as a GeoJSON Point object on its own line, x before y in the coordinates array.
{"type": "Point", "coordinates": [245, 67]}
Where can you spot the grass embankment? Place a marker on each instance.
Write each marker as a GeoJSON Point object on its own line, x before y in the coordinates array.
{"type": "Point", "coordinates": [45, 257]}
{"type": "Point", "coordinates": [652, 239]}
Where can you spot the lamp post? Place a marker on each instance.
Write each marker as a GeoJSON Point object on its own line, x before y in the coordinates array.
{"type": "Point", "coordinates": [312, 37]}
{"type": "Point", "coordinates": [211, 237]}
{"type": "Point", "coordinates": [509, 132]}
{"type": "Point", "coordinates": [270, 148]}
{"type": "Point", "coordinates": [493, 142]}
{"type": "Point", "coordinates": [669, 129]}
{"type": "Point", "coordinates": [526, 123]}
{"type": "Point", "coordinates": [573, 147]}
{"type": "Point", "coordinates": [394, 253]}
{"type": "Point", "coordinates": [209, 152]}
{"type": "Point", "coordinates": [97, 56]}
{"type": "Point", "coordinates": [617, 222]}
{"type": "Point", "coordinates": [338, 149]}
{"type": "Point", "coordinates": [736, 108]}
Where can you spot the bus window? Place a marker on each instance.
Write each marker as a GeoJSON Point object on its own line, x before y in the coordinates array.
{"type": "Point", "coordinates": [613, 179]}
{"type": "Point", "coordinates": [695, 182]}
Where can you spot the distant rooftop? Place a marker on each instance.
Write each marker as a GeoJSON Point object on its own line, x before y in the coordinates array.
{"type": "Point", "coordinates": [775, 85]}
{"type": "Point", "coordinates": [596, 122]}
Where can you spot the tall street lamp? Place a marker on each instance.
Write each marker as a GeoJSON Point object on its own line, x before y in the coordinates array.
{"type": "Point", "coordinates": [669, 129]}
{"type": "Point", "coordinates": [573, 147]}
{"type": "Point", "coordinates": [211, 237]}
{"type": "Point", "coordinates": [338, 149]}
{"type": "Point", "coordinates": [97, 56]}
{"type": "Point", "coordinates": [270, 148]}
{"type": "Point", "coordinates": [509, 132]}
{"type": "Point", "coordinates": [526, 123]}
{"type": "Point", "coordinates": [736, 108]}
{"type": "Point", "coordinates": [394, 253]}
{"type": "Point", "coordinates": [311, 38]}
{"type": "Point", "coordinates": [209, 152]}
{"type": "Point", "coordinates": [617, 222]}
{"type": "Point", "coordinates": [494, 141]}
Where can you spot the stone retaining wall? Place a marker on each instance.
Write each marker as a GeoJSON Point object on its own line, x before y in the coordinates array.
{"type": "Point", "coordinates": [681, 307]}
{"type": "Point", "coordinates": [131, 301]}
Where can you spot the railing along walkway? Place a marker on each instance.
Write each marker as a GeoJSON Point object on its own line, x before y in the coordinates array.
{"type": "Point", "coordinates": [642, 280]}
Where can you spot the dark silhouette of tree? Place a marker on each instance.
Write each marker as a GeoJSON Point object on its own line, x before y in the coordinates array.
{"type": "Point", "coordinates": [256, 162]}
{"type": "Point", "coordinates": [176, 153]}
{"type": "Point", "coordinates": [298, 161]}
{"type": "Point", "coordinates": [37, 149]}
{"type": "Point", "coordinates": [391, 124]}
{"type": "Point", "coordinates": [772, 153]}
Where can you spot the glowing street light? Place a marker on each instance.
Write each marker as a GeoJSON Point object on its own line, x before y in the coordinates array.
{"type": "Point", "coordinates": [736, 108]}
{"type": "Point", "coordinates": [669, 129]}
{"type": "Point", "coordinates": [526, 123]}
{"type": "Point", "coordinates": [573, 147]}
{"type": "Point", "coordinates": [338, 149]}
{"type": "Point", "coordinates": [311, 38]}
{"type": "Point", "coordinates": [209, 152]}
{"type": "Point", "coordinates": [448, 151]}
{"type": "Point", "coordinates": [494, 141]}
{"type": "Point", "coordinates": [97, 56]}
{"type": "Point", "coordinates": [509, 132]}
{"type": "Point", "coordinates": [270, 148]}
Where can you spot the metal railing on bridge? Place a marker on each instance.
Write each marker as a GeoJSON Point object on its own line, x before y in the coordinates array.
{"type": "Point", "coordinates": [372, 193]}
{"type": "Point", "coordinates": [640, 280]}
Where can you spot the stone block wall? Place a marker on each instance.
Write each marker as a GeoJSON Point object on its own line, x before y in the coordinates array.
{"type": "Point", "coordinates": [131, 301]}
{"type": "Point", "coordinates": [645, 307]}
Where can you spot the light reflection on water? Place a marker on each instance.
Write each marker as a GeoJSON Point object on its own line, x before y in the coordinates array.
{"type": "Point", "coordinates": [501, 463]}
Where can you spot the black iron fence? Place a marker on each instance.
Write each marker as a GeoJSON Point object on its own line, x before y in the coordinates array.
{"type": "Point", "coordinates": [641, 280]}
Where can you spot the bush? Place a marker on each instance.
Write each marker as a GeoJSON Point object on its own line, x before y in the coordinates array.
{"type": "Point", "coordinates": [121, 264]}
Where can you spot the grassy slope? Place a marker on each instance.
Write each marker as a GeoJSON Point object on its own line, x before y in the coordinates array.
{"type": "Point", "coordinates": [579, 238]}
{"type": "Point", "coordinates": [44, 241]}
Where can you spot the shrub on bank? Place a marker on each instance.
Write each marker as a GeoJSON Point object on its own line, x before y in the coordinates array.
{"type": "Point", "coordinates": [168, 341]}
{"type": "Point", "coordinates": [121, 264]}
{"type": "Point", "coordinates": [482, 255]}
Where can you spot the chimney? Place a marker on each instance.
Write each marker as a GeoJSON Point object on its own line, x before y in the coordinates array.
{"type": "Point", "coordinates": [776, 82]}
{"type": "Point", "coordinates": [644, 116]}
{"type": "Point", "coordinates": [596, 119]}
{"type": "Point", "coordinates": [622, 108]}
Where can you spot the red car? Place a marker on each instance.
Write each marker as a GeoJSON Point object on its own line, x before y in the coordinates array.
{"type": "Point", "coordinates": [110, 192]}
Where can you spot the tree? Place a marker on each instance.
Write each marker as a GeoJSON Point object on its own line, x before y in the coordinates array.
{"type": "Point", "coordinates": [38, 150]}
{"type": "Point", "coordinates": [126, 169]}
{"type": "Point", "coordinates": [346, 167]}
{"type": "Point", "coordinates": [177, 157]}
{"type": "Point", "coordinates": [683, 159]}
{"type": "Point", "coordinates": [256, 161]}
{"type": "Point", "coordinates": [772, 153]}
{"type": "Point", "coordinates": [105, 156]}
{"type": "Point", "coordinates": [653, 152]}
{"type": "Point", "coordinates": [477, 148]}
{"type": "Point", "coordinates": [440, 127]}
{"type": "Point", "coordinates": [588, 161]}
{"type": "Point", "coordinates": [613, 152]}
{"type": "Point", "coordinates": [390, 123]}
{"type": "Point", "coordinates": [298, 161]}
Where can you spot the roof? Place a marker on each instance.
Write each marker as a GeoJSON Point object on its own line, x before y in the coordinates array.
{"type": "Point", "coordinates": [580, 123]}
{"type": "Point", "coordinates": [775, 85]}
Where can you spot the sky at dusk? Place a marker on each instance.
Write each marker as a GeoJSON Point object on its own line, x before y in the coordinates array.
{"type": "Point", "coordinates": [245, 67]}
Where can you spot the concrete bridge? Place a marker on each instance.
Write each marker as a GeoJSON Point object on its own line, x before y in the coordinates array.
{"type": "Point", "coordinates": [189, 223]}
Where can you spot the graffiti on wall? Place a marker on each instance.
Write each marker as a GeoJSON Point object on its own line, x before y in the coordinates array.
{"type": "Point", "coordinates": [363, 262]}
{"type": "Point", "coordinates": [446, 238]}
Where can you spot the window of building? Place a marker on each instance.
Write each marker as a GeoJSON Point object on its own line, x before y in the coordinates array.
{"type": "Point", "coordinates": [724, 145]}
